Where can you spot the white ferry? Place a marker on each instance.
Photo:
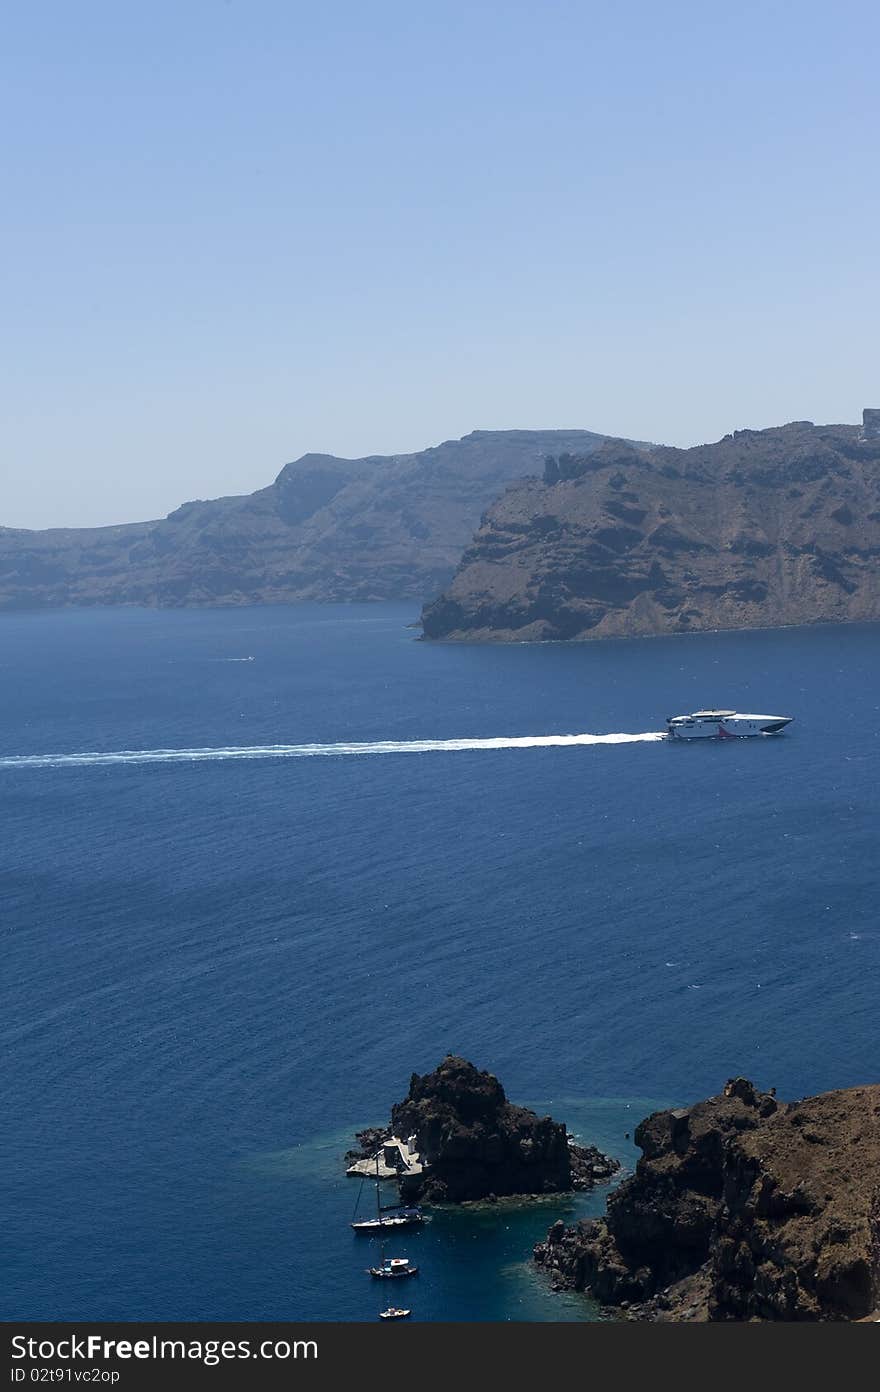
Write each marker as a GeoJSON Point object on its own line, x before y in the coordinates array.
{"type": "Point", "coordinates": [724, 724]}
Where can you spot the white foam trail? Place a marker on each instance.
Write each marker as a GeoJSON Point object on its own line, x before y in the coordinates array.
{"type": "Point", "coordinates": [305, 751]}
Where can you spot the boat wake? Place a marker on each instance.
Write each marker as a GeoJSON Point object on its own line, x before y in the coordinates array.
{"type": "Point", "coordinates": [98, 758]}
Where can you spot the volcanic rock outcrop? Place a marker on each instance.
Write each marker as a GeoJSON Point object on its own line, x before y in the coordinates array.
{"type": "Point", "coordinates": [741, 1208]}
{"type": "Point", "coordinates": [383, 527]}
{"type": "Point", "coordinates": [870, 423]}
{"type": "Point", "coordinates": [762, 529]}
{"type": "Point", "coordinates": [476, 1144]}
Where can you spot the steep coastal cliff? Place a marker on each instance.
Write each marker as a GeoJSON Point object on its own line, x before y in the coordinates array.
{"type": "Point", "coordinates": [764, 528]}
{"type": "Point", "coordinates": [383, 527]}
{"type": "Point", "coordinates": [741, 1208]}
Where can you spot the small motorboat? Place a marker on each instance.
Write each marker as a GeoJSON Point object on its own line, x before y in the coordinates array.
{"type": "Point", "coordinates": [394, 1312]}
{"type": "Point", "coordinates": [392, 1269]}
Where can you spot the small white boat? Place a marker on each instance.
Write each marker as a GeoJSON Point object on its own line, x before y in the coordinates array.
{"type": "Point", "coordinates": [394, 1312]}
{"type": "Point", "coordinates": [397, 1218]}
{"type": "Point", "coordinates": [393, 1268]}
{"type": "Point", "coordinates": [724, 724]}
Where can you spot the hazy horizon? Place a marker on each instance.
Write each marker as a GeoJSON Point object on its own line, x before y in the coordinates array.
{"type": "Point", "coordinates": [236, 235]}
{"type": "Point", "coordinates": [120, 521]}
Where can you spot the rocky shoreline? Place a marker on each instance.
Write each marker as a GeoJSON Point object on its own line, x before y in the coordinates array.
{"type": "Point", "coordinates": [475, 1145]}
{"type": "Point", "coordinates": [741, 1208]}
{"type": "Point", "coordinates": [367, 1142]}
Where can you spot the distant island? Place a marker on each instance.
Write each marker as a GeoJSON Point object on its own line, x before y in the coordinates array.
{"type": "Point", "coordinates": [378, 528]}
{"type": "Point", "coordinates": [511, 536]}
{"type": "Point", "coordinates": [762, 529]}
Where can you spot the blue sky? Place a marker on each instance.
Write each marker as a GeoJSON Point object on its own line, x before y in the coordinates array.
{"type": "Point", "coordinates": [235, 232]}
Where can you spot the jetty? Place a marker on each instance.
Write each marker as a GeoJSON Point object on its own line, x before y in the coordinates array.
{"type": "Point", "coordinates": [394, 1159]}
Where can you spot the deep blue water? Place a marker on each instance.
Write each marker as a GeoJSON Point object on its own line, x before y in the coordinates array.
{"type": "Point", "coordinates": [214, 971]}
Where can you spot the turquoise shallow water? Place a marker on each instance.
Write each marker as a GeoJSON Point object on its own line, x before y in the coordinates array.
{"type": "Point", "coordinates": [475, 1260]}
{"type": "Point", "coordinates": [217, 967]}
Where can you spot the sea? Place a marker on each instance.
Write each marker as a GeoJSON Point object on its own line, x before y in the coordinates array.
{"type": "Point", "coordinates": [259, 865]}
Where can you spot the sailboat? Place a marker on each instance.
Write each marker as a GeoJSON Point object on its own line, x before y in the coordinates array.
{"type": "Point", "coordinates": [394, 1215]}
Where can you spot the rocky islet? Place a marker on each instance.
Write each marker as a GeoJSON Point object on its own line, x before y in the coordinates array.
{"type": "Point", "coordinates": [476, 1145]}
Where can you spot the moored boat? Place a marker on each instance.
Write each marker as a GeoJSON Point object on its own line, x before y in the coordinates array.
{"type": "Point", "coordinates": [395, 1215]}
{"type": "Point", "coordinates": [393, 1269]}
{"type": "Point", "coordinates": [390, 1217]}
{"type": "Point", "coordinates": [394, 1312]}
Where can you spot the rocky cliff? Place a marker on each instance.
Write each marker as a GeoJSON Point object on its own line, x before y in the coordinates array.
{"type": "Point", "coordinates": [478, 1144]}
{"type": "Point", "coordinates": [327, 528]}
{"type": "Point", "coordinates": [764, 528]}
{"type": "Point", "coordinates": [741, 1208]}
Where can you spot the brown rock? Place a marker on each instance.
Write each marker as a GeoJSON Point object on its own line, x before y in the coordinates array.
{"type": "Point", "coordinates": [763, 528]}
{"type": "Point", "coordinates": [477, 1144]}
{"type": "Point", "coordinates": [741, 1208]}
{"type": "Point", "coordinates": [389, 527]}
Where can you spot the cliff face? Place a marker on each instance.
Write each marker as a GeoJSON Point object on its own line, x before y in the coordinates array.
{"type": "Point", "coordinates": [763, 528]}
{"type": "Point", "coordinates": [477, 1144]}
{"type": "Point", "coordinates": [740, 1208]}
{"type": "Point", "coordinates": [327, 528]}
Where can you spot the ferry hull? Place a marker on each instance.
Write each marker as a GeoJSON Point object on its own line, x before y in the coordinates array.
{"type": "Point", "coordinates": [725, 725]}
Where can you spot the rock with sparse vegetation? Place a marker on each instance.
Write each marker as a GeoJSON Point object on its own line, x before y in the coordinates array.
{"type": "Point", "coordinates": [378, 528]}
{"type": "Point", "coordinates": [763, 529]}
{"type": "Point", "coordinates": [741, 1208]}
